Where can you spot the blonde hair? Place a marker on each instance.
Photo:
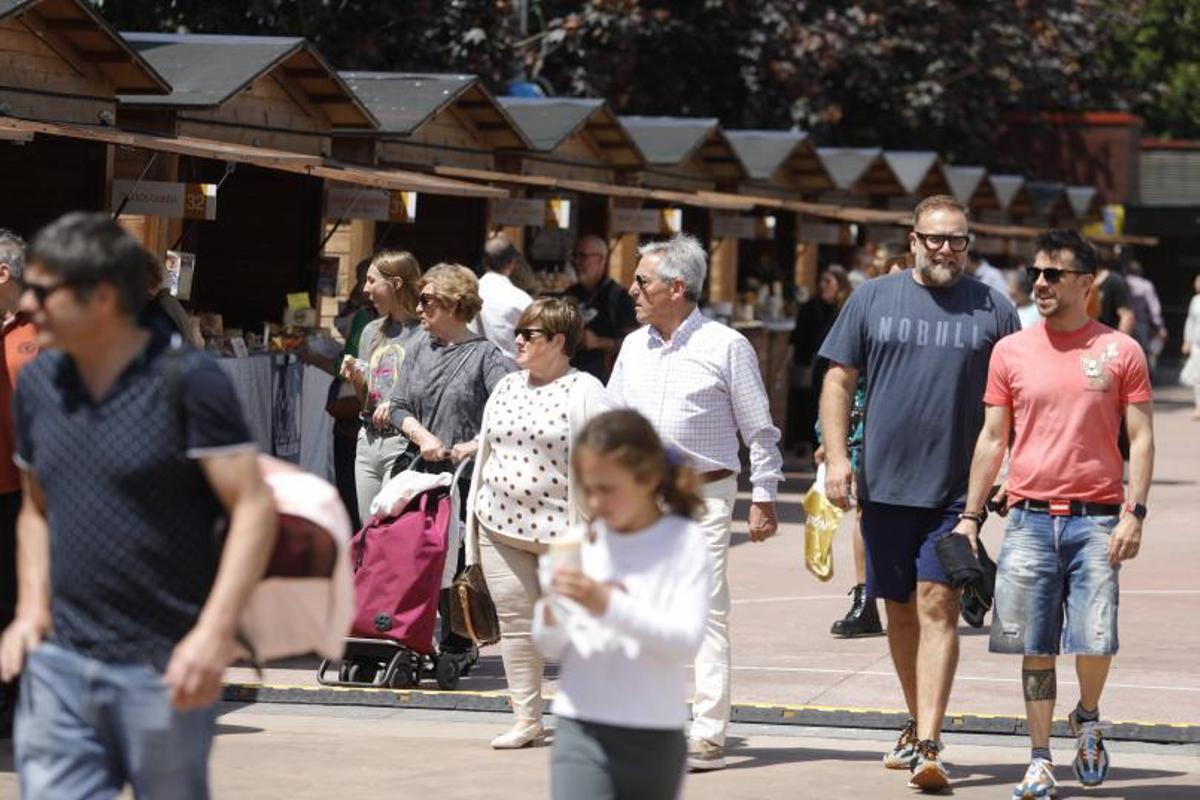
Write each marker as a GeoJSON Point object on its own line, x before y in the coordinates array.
{"type": "Point", "coordinates": [556, 315]}
{"type": "Point", "coordinates": [393, 265]}
{"type": "Point", "coordinates": [456, 286]}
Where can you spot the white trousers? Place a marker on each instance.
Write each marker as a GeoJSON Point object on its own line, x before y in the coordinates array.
{"type": "Point", "coordinates": [710, 705]}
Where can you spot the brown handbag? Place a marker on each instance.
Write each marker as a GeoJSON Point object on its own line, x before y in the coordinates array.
{"type": "Point", "coordinates": [472, 612]}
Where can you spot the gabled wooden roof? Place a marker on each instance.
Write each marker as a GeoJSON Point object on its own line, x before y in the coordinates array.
{"type": "Point", "coordinates": [404, 101]}
{"type": "Point", "coordinates": [549, 121]}
{"type": "Point", "coordinates": [77, 33]}
{"type": "Point", "coordinates": [1050, 200]}
{"type": "Point", "coordinates": [972, 186]}
{"type": "Point", "coordinates": [919, 171]}
{"type": "Point", "coordinates": [862, 170]}
{"type": "Point", "coordinates": [781, 155]}
{"type": "Point", "coordinates": [669, 141]}
{"type": "Point", "coordinates": [207, 71]}
{"type": "Point", "coordinates": [1012, 195]}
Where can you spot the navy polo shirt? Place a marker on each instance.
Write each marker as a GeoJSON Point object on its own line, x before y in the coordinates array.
{"type": "Point", "coordinates": [131, 515]}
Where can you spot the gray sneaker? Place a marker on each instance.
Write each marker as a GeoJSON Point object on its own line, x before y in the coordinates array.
{"type": "Point", "coordinates": [905, 751]}
{"type": "Point", "coordinates": [928, 772]}
{"type": "Point", "coordinates": [704, 756]}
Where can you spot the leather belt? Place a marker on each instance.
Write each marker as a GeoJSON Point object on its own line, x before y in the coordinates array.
{"type": "Point", "coordinates": [715, 475]}
{"type": "Point", "coordinates": [1071, 508]}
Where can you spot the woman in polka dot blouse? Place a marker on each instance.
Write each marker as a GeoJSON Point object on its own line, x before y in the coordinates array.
{"type": "Point", "coordinates": [522, 491]}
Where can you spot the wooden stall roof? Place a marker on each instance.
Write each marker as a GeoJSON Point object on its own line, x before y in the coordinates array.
{"type": "Point", "coordinates": [549, 121]}
{"type": "Point", "coordinates": [405, 101]}
{"type": "Point", "coordinates": [784, 156]}
{"type": "Point", "coordinates": [861, 170]}
{"type": "Point", "coordinates": [258, 156]}
{"type": "Point", "coordinates": [1050, 200]}
{"type": "Point", "coordinates": [206, 71]}
{"type": "Point", "coordinates": [669, 141]}
{"type": "Point", "coordinates": [919, 171]}
{"type": "Point", "coordinates": [77, 33]}
{"type": "Point", "coordinates": [1085, 202]}
{"type": "Point", "coordinates": [1012, 194]}
{"type": "Point", "coordinates": [972, 187]}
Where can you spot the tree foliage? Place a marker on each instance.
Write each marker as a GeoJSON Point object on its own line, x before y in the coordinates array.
{"type": "Point", "coordinates": [930, 74]}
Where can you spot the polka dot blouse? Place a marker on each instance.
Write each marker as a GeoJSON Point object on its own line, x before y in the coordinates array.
{"type": "Point", "coordinates": [524, 488]}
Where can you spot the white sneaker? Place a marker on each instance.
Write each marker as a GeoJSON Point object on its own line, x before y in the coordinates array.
{"type": "Point", "coordinates": [1038, 782]}
{"type": "Point", "coordinates": [521, 734]}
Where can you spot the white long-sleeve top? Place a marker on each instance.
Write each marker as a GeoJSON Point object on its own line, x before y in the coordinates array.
{"type": "Point", "coordinates": [700, 390]}
{"type": "Point", "coordinates": [629, 667]}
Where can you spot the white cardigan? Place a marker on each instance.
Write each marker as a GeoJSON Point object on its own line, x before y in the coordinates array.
{"type": "Point", "coordinates": [588, 398]}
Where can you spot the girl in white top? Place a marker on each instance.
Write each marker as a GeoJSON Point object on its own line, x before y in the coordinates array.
{"type": "Point", "coordinates": [1191, 348]}
{"type": "Point", "coordinates": [625, 615]}
{"type": "Point", "coordinates": [522, 494]}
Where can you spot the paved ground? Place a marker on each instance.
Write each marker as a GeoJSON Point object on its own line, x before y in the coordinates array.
{"type": "Point", "coordinates": [265, 752]}
{"type": "Point", "coordinates": [783, 653]}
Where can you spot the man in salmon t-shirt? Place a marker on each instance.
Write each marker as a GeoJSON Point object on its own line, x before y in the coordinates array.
{"type": "Point", "coordinates": [1064, 386]}
{"type": "Point", "coordinates": [19, 346]}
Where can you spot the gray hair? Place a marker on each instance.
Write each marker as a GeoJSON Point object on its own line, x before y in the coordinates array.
{"type": "Point", "coordinates": [680, 258]}
{"type": "Point", "coordinates": [12, 252]}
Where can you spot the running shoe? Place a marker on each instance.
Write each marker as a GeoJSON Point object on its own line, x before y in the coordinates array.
{"type": "Point", "coordinates": [902, 755]}
{"type": "Point", "coordinates": [1091, 759]}
{"type": "Point", "coordinates": [705, 756]}
{"type": "Point", "coordinates": [928, 773]}
{"type": "Point", "coordinates": [1038, 781]}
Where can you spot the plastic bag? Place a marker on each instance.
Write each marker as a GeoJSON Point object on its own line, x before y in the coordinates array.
{"type": "Point", "coordinates": [821, 521]}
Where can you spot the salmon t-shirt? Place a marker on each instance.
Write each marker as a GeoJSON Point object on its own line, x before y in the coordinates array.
{"type": "Point", "coordinates": [1068, 393]}
{"type": "Point", "coordinates": [18, 348]}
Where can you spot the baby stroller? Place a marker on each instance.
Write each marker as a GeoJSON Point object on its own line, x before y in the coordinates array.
{"type": "Point", "coordinates": [399, 561]}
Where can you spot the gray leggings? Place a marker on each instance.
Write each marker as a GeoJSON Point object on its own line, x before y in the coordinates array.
{"type": "Point", "coordinates": [606, 762]}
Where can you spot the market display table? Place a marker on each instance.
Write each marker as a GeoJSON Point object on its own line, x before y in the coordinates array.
{"type": "Point", "coordinates": [283, 401]}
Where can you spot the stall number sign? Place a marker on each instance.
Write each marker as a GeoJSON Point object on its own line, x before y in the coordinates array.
{"type": "Point", "coordinates": [163, 199]}
{"type": "Point", "coordinates": [637, 220]}
{"type": "Point", "coordinates": [357, 202]}
{"type": "Point", "coordinates": [518, 212]}
{"type": "Point", "coordinates": [733, 226]}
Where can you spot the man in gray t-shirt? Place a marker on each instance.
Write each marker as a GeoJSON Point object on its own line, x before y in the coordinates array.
{"type": "Point", "coordinates": [924, 338]}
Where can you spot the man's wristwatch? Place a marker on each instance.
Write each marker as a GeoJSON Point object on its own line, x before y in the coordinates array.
{"type": "Point", "coordinates": [1137, 509]}
{"type": "Point", "coordinates": [977, 517]}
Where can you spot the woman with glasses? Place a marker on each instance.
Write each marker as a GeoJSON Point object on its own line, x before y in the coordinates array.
{"type": "Point", "coordinates": [390, 285]}
{"type": "Point", "coordinates": [438, 403]}
{"type": "Point", "coordinates": [523, 493]}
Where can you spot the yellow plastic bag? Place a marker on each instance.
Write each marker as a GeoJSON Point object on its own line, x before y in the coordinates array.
{"type": "Point", "coordinates": [821, 521]}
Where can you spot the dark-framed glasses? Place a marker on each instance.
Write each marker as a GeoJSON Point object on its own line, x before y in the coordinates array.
{"type": "Point", "coordinates": [42, 291]}
{"type": "Point", "coordinates": [529, 333]}
{"type": "Point", "coordinates": [426, 299]}
{"type": "Point", "coordinates": [933, 241]}
{"type": "Point", "coordinates": [1052, 274]}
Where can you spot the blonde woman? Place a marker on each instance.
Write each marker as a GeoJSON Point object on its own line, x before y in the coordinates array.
{"type": "Point", "coordinates": [523, 492]}
{"type": "Point", "coordinates": [391, 287]}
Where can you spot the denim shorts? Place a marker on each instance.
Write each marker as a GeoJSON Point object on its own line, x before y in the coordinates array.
{"type": "Point", "coordinates": [901, 544]}
{"type": "Point", "coordinates": [1055, 590]}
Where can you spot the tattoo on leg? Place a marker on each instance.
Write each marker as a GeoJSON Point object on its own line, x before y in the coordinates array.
{"type": "Point", "coordinates": [1040, 684]}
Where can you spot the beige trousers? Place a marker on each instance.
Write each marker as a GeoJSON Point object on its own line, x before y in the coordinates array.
{"type": "Point", "coordinates": [510, 569]}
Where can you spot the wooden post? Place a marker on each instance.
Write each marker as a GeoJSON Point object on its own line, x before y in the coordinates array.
{"type": "Point", "coordinates": [622, 246]}
{"type": "Point", "coordinates": [806, 266]}
{"type": "Point", "coordinates": [722, 280]}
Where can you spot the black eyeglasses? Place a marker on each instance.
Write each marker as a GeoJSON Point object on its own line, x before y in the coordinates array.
{"type": "Point", "coordinates": [528, 333]}
{"type": "Point", "coordinates": [1053, 274]}
{"type": "Point", "coordinates": [426, 299]}
{"type": "Point", "coordinates": [934, 241]}
{"type": "Point", "coordinates": [42, 291]}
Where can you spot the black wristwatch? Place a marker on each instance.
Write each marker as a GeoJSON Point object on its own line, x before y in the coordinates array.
{"type": "Point", "coordinates": [978, 517]}
{"type": "Point", "coordinates": [1137, 509]}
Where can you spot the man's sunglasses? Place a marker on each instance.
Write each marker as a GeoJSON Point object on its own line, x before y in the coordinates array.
{"type": "Point", "coordinates": [1053, 274]}
{"type": "Point", "coordinates": [528, 333]}
{"type": "Point", "coordinates": [934, 241]}
{"type": "Point", "coordinates": [42, 291]}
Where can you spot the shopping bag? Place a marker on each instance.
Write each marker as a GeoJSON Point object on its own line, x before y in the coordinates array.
{"type": "Point", "coordinates": [821, 520]}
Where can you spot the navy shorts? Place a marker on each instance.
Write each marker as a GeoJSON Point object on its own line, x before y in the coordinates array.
{"type": "Point", "coordinates": [901, 544]}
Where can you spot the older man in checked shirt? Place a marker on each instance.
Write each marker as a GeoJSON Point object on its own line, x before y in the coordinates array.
{"type": "Point", "coordinates": [698, 382]}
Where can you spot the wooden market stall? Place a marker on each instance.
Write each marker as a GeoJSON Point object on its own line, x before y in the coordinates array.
{"type": "Point", "coordinates": [1012, 197]}
{"type": "Point", "coordinates": [1051, 205]}
{"type": "Point", "coordinates": [426, 121]}
{"type": "Point", "coordinates": [60, 62]}
{"type": "Point", "coordinates": [973, 188]}
{"type": "Point", "coordinates": [1085, 203]}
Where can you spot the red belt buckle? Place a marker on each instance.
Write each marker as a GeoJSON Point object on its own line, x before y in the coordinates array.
{"type": "Point", "coordinates": [1060, 508]}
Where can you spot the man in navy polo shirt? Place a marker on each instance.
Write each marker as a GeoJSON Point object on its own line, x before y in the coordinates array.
{"type": "Point", "coordinates": [127, 607]}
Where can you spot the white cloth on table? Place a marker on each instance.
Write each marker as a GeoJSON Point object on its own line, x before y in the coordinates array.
{"type": "Point", "coordinates": [316, 426]}
{"type": "Point", "coordinates": [251, 379]}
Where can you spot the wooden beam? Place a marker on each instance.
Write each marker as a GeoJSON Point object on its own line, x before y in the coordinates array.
{"type": "Point", "coordinates": [300, 73]}
{"type": "Point", "coordinates": [36, 24]}
{"type": "Point", "coordinates": [105, 56]}
{"type": "Point", "coordinates": [327, 99]}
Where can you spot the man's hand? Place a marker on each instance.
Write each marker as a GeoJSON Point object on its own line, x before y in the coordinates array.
{"type": "Point", "coordinates": [20, 639]}
{"type": "Point", "coordinates": [1125, 540]}
{"type": "Point", "coordinates": [194, 672]}
{"type": "Point", "coordinates": [591, 594]}
{"type": "Point", "coordinates": [763, 522]}
{"type": "Point", "coordinates": [839, 482]}
{"type": "Point", "coordinates": [971, 530]}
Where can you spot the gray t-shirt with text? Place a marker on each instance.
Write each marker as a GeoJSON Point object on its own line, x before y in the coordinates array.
{"type": "Point", "coordinates": [925, 353]}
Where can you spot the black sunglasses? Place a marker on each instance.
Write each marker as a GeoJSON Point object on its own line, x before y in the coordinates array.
{"type": "Point", "coordinates": [934, 241]}
{"type": "Point", "coordinates": [528, 333]}
{"type": "Point", "coordinates": [426, 299]}
{"type": "Point", "coordinates": [1053, 274]}
{"type": "Point", "coordinates": [42, 291]}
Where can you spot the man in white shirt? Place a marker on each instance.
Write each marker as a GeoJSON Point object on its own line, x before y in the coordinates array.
{"type": "Point", "coordinates": [503, 303]}
{"type": "Point", "coordinates": [698, 382]}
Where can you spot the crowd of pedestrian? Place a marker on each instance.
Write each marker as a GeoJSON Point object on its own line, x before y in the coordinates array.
{"type": "Point", "coordinates": [605, 429]}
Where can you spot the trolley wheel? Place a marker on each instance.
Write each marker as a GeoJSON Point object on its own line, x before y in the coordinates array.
{"type": "Point", "coordinates": [447, 673]}
{"type": "Point", "coordinates": [405, 677]}
{"type": "Point", "coordinates": [349, 672]}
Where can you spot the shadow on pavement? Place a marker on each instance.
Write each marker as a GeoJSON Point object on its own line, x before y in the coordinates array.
{"type": "Point", "coordinates": [225, 730]}
{"type": "Point", "coordinates": [1008, 774]}
{"type": "Point", "coordinates": [741, 757]}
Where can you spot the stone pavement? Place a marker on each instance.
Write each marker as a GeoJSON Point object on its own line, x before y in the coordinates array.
{"type": "Point", "coordinates": [267, 752]}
